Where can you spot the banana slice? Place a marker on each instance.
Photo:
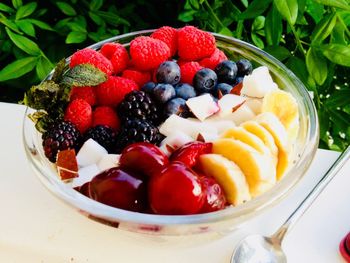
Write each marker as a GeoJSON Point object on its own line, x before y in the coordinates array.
{"type": "Point", "coordinates": [228, 175]}
{"type": "Point", "coordinates": [259, 131]}
{"type": "Point", "coordinates": [272, 124]}
{"type": "Point", "coordinates": [257, 168]}
{"type": "Point", "coordinates": [240, 134]}
{"type": "Point", "coordinates": [285, 107]}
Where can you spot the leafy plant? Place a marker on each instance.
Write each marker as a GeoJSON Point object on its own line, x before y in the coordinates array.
{"type": "Point", "coordinates": [310, 36]}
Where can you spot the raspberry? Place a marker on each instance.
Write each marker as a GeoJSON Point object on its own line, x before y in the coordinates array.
{"type": "Point", "coordinates": [188, 70]}
{"type": "Point", "coordinates": [140, 77]}
{"type": "Point", "coordinates": [90, 56]}
{"type": "Point", "coordinates": [169, 36]}
{"type": "Point", "coordinates": [194, 44]}
{"type": "Point", "coordinates": [79, 113]}
{"type": "Point", "coordinates": [112, 91]}
{"type": "Point", "coordinates": [85, 93]}
{"type": "Point", "coordinates": [105, 115]}
{"type": "Point", "coordinates": [212, 61]}
{"type": "Point", "coordinates": [117, 54]}
{"type": "Point", "coordinates": [148, 53]}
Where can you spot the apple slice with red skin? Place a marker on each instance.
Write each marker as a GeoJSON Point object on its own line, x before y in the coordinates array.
{"type": "Point", "coordinates": [190, 152]}
{"type": "Point", "coordinates": [176, 190]}
{"type": "Point", "coordinates": [143, 158]}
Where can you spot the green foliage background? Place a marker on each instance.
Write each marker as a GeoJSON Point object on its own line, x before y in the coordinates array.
{"type": "Point", "coordinates": [310, 36]}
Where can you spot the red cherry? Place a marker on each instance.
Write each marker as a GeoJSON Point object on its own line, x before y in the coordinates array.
{"type": "Point", "coordinates": [144, 158]}
{"type": "Point", "coordinates": [347, 243]}
{"type": "Point", "coordinates": [176, 190]}
{"type": "Point", "coordinates": [120, 189]}
{"type": "Point", "coordinates": [214, 195]}
{"type": "Point", "coordinates": [190, 152]}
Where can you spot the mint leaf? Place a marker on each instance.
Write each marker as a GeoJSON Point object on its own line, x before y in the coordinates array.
{"type": "Point", "coordinates": [83, 75]}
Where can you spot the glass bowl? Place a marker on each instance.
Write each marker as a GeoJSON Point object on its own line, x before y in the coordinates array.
{"type": "Point", "coordinates": [220, 221]}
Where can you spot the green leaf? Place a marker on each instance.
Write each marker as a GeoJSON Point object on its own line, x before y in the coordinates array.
{"type": "Point", "coordinates": [324, 28]}
{"type": "Point", "coordinates": [60, 68]}
{"type": "Point", "coordinates": [9, 24]}
{"type": "Point", "coordinates": [26, 27]}
{"type": "Point", "coordinates": [74, 26]}
{"type": "Point", "coordinates": [17, 3]}
{"type": "Point", "coordinates": [40, 24]}
{"type": "Point", "coordinates": [257, 40]}
{"type": "Point", "coordinates": [298, 67]}
{"type": "Point", "coordinates": [76, 37]}
{"type": "Point", "coordinates": [337, 53]}
{"type": "Point", "coordinates": [43, 67]}
{"type": "Point", "coordinates": [66, 8]}
{"type": "Point", "coordinates": [340, 118]}
{"type": "Point", "coordinates": [6, 8]}
{"type": "Point", "coordinates": [343, 4]}
{"type": "Point", "coordinates": [316, 66]}
{"type": "Point", "coordinates": [245, 3]}
{"type": "Point", "coordinates": [24, 43]}
{"type": "Point", "coordinates": [288, 9]}
{"type": "Point", "coordinates": [225, 31]}
{"type": "Point", "coordinates": [187, 16]}
{"type": "Point", "coordinates": [339, 98]}
{"type": "Point", "coordinates": [18, 68]}
{"type": "Point", "coordinates": [96, 4]}
{"type": "Point", "coordinates": [273, 27]}
{"type": "Point", "coordinates": [338, 35]}
{"type": "Point", "coordinates": [26, 10]}
{"type": "Point", "coordinates": [113, 18]}
{"type": "Point", "coordinates": [83, 75]}
{"type": "Point", "coordinates": [98, 20]}
{"type": "Point", "coordinates": [323, 117]}
{"type": "Point", "coordinates": [258, 23]}
{"type": "Point", "coordinates": [279, 52]}
{"type": "Point", "coordinates": [315, 10]}
{"type": "Point", "coordinates": [256, 8]}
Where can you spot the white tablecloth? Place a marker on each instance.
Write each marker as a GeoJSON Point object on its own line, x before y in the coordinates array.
{"type": "Point", "coordinates": [37, 227]}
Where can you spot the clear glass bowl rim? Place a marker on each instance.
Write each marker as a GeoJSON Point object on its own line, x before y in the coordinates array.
{"type": "Point", "coordinates": [256, 205]}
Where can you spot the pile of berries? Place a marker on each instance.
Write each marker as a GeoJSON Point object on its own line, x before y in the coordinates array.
{"type": "Point", "coordinates": [145, 85]}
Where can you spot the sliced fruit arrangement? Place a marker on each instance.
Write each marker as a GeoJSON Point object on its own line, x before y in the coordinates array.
{"type": "Point", "coordinates": [169, 126]}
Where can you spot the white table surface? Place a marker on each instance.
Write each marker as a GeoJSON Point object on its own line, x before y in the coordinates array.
{"type": "Point", "coordinates": [37, 227]}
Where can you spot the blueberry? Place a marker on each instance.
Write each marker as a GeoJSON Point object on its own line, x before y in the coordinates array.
{"type": "Point", "coordinates": [177, 106]}
{"type": "Point", "coordinates": [222, 89]}
{"type": "Point", "coordinates": [244, 67]}
{"type": "Point", "coordinates": [163, 92]}
{"type": "Point", "coordinates": [185, 91]}
{"type": "Point", "coordinates": [168, 72]}
{"type": "Point", "coordinates": [205, 80]}
{"type": "Point", "coordinates": [226, 71]}
{"type": "Point", "coordinates": [148, 87]}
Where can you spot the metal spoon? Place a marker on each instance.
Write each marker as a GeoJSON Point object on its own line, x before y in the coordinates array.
{"type": "Point", "coordinates": [261, 249]}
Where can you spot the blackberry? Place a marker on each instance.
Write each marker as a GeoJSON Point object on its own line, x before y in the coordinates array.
{"type": "Point", "coordinates": [137, 131]}
{"type": "Point", "coordinates": [138, 105]}
{"type": "Point", "coordinates": [102, 134]}
{"type": "Point", "coordinates": [60, 136]}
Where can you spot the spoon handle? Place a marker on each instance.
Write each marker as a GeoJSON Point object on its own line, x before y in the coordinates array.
{"type": "Point", "coordinates": [311, 197]}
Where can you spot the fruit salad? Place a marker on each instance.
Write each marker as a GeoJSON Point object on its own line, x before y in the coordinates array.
{"type": "Point", "coordinates": [168, 125]}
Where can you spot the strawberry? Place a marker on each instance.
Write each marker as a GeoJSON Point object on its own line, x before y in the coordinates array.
{"type": "Point", "coordinates": [189, 153]}
{"type": "Point", "coordinates": [212, 61]}
{"type": "Point", "coordinates": [112, 91]}
{"type": "Point", "coordinates": [90, 56]}
{"type": "Point", "coordinates": [169, 36]}
{"type": "Point", "coordinates": [104, 115]}
{"type": "Point", "coordinates": [117, 54]}
{"type": "Point", "coordinates": [140, 77]}
{"type": "Point", "coordinates": [79, 113]}
{"type": "Point", "coordinates": [148, 53]}
{"type": "Point", "coordinates": [195, 44]}
{"type": "Point", "coordinates": [188, 70]}
{"type": "Point", "coordinates": [86, 93]}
